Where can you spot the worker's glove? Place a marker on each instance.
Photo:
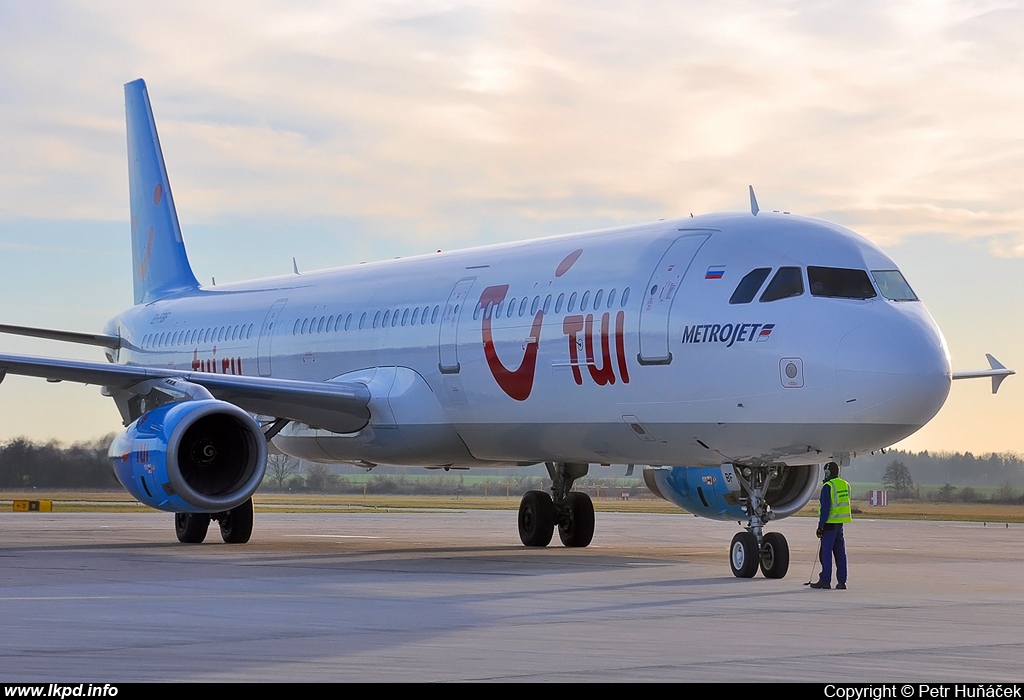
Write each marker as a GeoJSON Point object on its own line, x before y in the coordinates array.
{"type": "Point", "coordinates": [819, 532]}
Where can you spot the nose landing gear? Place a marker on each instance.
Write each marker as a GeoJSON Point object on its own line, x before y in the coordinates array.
{"type": "Point", "coordinates": [755, 548]}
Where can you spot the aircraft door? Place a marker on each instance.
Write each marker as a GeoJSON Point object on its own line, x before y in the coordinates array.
{"type": "Point", "coordinates": [659, 296]}
{"type": "Point", "coordinates": [448, 338]}
{"type": "Point", "coordinates": [266, 337]}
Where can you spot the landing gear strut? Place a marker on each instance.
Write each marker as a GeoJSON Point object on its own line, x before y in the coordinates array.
{"type": "Point", "coordinates": [235, 525]}
{"type": "Point", "coordinates": [755, 548]}
{"type": "Point", "coordinates": [571, 511]}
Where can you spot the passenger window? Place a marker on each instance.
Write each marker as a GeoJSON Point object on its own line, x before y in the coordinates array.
{"type": "Point", "coordinates": [376, 319]}
{"type": "Point", "coordinates": [547, 304]}
{"type": "Point", "coordinates": [394, 319]}
{"type": "Point", "coordinates": [348, 321]}
{"type": "Point", "coordinates": [746, 290]}
{"type": "Point", "coordinates": [362, 321]}
{"type": "Point", "coordinates": [597, 299]}
{"type": "Point", "coordinates": [584, 300]}
{"type": "Point", "coordinates": [415, 316]}
{"type": "Point", "coordinates": [534, 306]}
{"type": "Point", "coordinates": [625, 297]}
{"type": "Point", "coordinates": [572, 302]}
{"type": "Point", "coordinates": [522, 306]}
{"type": "Point", "coordinates": [405, 316]}
{"type": "Point", "coordinates": [511, 307]}
{"type": "Point", "coordinates": [787, 282]}
{"type": "Point", "coordinates": [893, 286]}
{"type": "Point", "coordinates": [433, 315]}
{"type": "Point", "coordinates": [558, 303]}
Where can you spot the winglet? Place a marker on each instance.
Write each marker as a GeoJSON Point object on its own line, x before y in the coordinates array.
{"type": "Point", "coordinates": [997, 372]}
{"type": "Point", "coordinates": [753, 202]}
{"type": "Point", "coordinates": [1003, 373]}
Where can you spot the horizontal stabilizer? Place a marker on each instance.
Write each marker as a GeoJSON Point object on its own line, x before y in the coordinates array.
{"type": "Point", "coordinates": [103, 341]}
{"type": "Point", "coordinates": [998, 372]}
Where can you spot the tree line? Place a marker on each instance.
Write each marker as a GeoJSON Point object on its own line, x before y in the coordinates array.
{"type": "Point", "coordinates": [27, 464]}
{"type": "Point", "coordinates": [956, 476]}
{"type": "Point", "coordinates": [900, 483]}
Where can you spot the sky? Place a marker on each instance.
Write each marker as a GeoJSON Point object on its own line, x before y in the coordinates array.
{"type": "Point", "coordinates": [338, 132]}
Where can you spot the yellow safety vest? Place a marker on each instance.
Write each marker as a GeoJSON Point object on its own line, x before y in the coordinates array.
{"type": "Point", "coordinates": [839, 511]}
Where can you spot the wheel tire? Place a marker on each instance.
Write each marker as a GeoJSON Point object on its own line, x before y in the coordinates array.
{"type": "Point", "coordinates": [743, 555]}
{"type": "Point", "coordinates": [774, 555]}
{"type": "Point", "coordinates": [191, 528]}
{"type": "Point", "coordinates": [536, 519]}
{"type": "Point", "coordinates": [236, 524]}
{"type": "Point", "coordinates": [579, 531]}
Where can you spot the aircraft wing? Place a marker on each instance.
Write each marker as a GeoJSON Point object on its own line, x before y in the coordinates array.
{"type": "Point", "coordinates": [104, 341]}
{"type": "Point", "coordinates": [338, 406]}
{"type": "Point", "coordinates": [997, 371]}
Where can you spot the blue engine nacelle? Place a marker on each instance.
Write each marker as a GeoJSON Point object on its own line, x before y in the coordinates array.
{"type": "Point", "coordinates": [715, 492]}
{"type": "Point", "coordinates": [203, 456]}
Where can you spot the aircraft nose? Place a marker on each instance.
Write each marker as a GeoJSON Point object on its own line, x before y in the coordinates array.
{"type": "Point", "coordinates": [894, 369]}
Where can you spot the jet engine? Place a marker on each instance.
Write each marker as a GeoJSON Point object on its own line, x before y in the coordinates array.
{"type": "Point", "coordinates": [202, 456]}
{"type": "Point", "coordinates": [718, 492]}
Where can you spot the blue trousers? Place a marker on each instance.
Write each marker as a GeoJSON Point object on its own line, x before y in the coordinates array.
{"type": "Point", "coordinates": [833, 544]}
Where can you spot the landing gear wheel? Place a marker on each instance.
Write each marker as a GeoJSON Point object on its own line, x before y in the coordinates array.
{"type": "Point", "coordinates": [236, 524]}
{"type": "Point", "coordinates": [743, 555]}
{"type": "Point", "coordinates": [579, 530]}
{"type": "Point", "coordinates": [191, 527]}
{"type": "Point", "coordinates": [774, 555]}
{"type": "Point", "coordinates": [536, 519]}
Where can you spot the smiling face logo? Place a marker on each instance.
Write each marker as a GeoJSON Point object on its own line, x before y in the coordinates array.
{"type": "Point", "coordinates": [142, 265]}
{"type": "Point", "coordinates": [517, 383]}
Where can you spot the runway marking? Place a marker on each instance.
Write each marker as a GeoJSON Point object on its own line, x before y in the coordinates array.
{"type": "Point", "coordinates": [344, 537]}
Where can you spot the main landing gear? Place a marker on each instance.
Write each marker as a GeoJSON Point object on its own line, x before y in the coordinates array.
{"type": "Point", "coordinates": [235, 525]}
{"type": "Point", "coordinates": [571, 511]}
{"type": "Point", "coordinates": [756, 548]}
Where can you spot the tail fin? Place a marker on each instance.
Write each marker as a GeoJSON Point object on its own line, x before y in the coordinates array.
{"type": "Point", "coordinates": [160, 264]}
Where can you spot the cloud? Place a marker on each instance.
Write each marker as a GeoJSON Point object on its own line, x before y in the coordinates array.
{"type": "Point", "coordinates": [901, 118]}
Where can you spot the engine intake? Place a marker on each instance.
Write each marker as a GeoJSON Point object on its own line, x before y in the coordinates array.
{"type": "Point", "coordinates": [716, 493]}
{"type": "Point", "coordinates": [204, 456]}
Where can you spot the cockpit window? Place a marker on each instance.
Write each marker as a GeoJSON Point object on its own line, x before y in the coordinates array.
{"type": "Point", "coordinates": [840, 282]}
{"type": "Point", "coordinates": [746, 290]}
{"type": "Point", "coordinates": [893, 285]}
{"type": "Point", "coordinates": [787, 282]}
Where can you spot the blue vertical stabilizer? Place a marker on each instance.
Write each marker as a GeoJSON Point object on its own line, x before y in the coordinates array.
{"type": "Point", "coordinates": [160, 264]}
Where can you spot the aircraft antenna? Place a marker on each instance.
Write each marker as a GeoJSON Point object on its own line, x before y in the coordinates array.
{"type": "Point", "coordinates": [753, 202]}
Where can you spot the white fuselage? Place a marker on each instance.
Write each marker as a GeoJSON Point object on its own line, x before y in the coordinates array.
{"type": "Point", "coordinates": [617, 346]}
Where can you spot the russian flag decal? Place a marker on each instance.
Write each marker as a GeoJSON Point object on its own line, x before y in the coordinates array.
{"type": "Point", "coordinates": [715, 272]}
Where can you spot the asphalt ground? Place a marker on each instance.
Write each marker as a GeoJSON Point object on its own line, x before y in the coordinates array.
{"type": "Point", "coordinates": [453, 596]}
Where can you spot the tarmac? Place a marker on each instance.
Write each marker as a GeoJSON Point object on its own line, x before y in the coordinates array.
{"type": "Point", "coordinates": [453, 596]}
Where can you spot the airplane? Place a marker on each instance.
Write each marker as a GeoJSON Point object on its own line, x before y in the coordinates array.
{"type": "Point", "coordinates": [730, 354]}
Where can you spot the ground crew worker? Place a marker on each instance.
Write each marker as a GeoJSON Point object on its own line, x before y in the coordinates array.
{"type": "Point", "coordinates": [835, 510]}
